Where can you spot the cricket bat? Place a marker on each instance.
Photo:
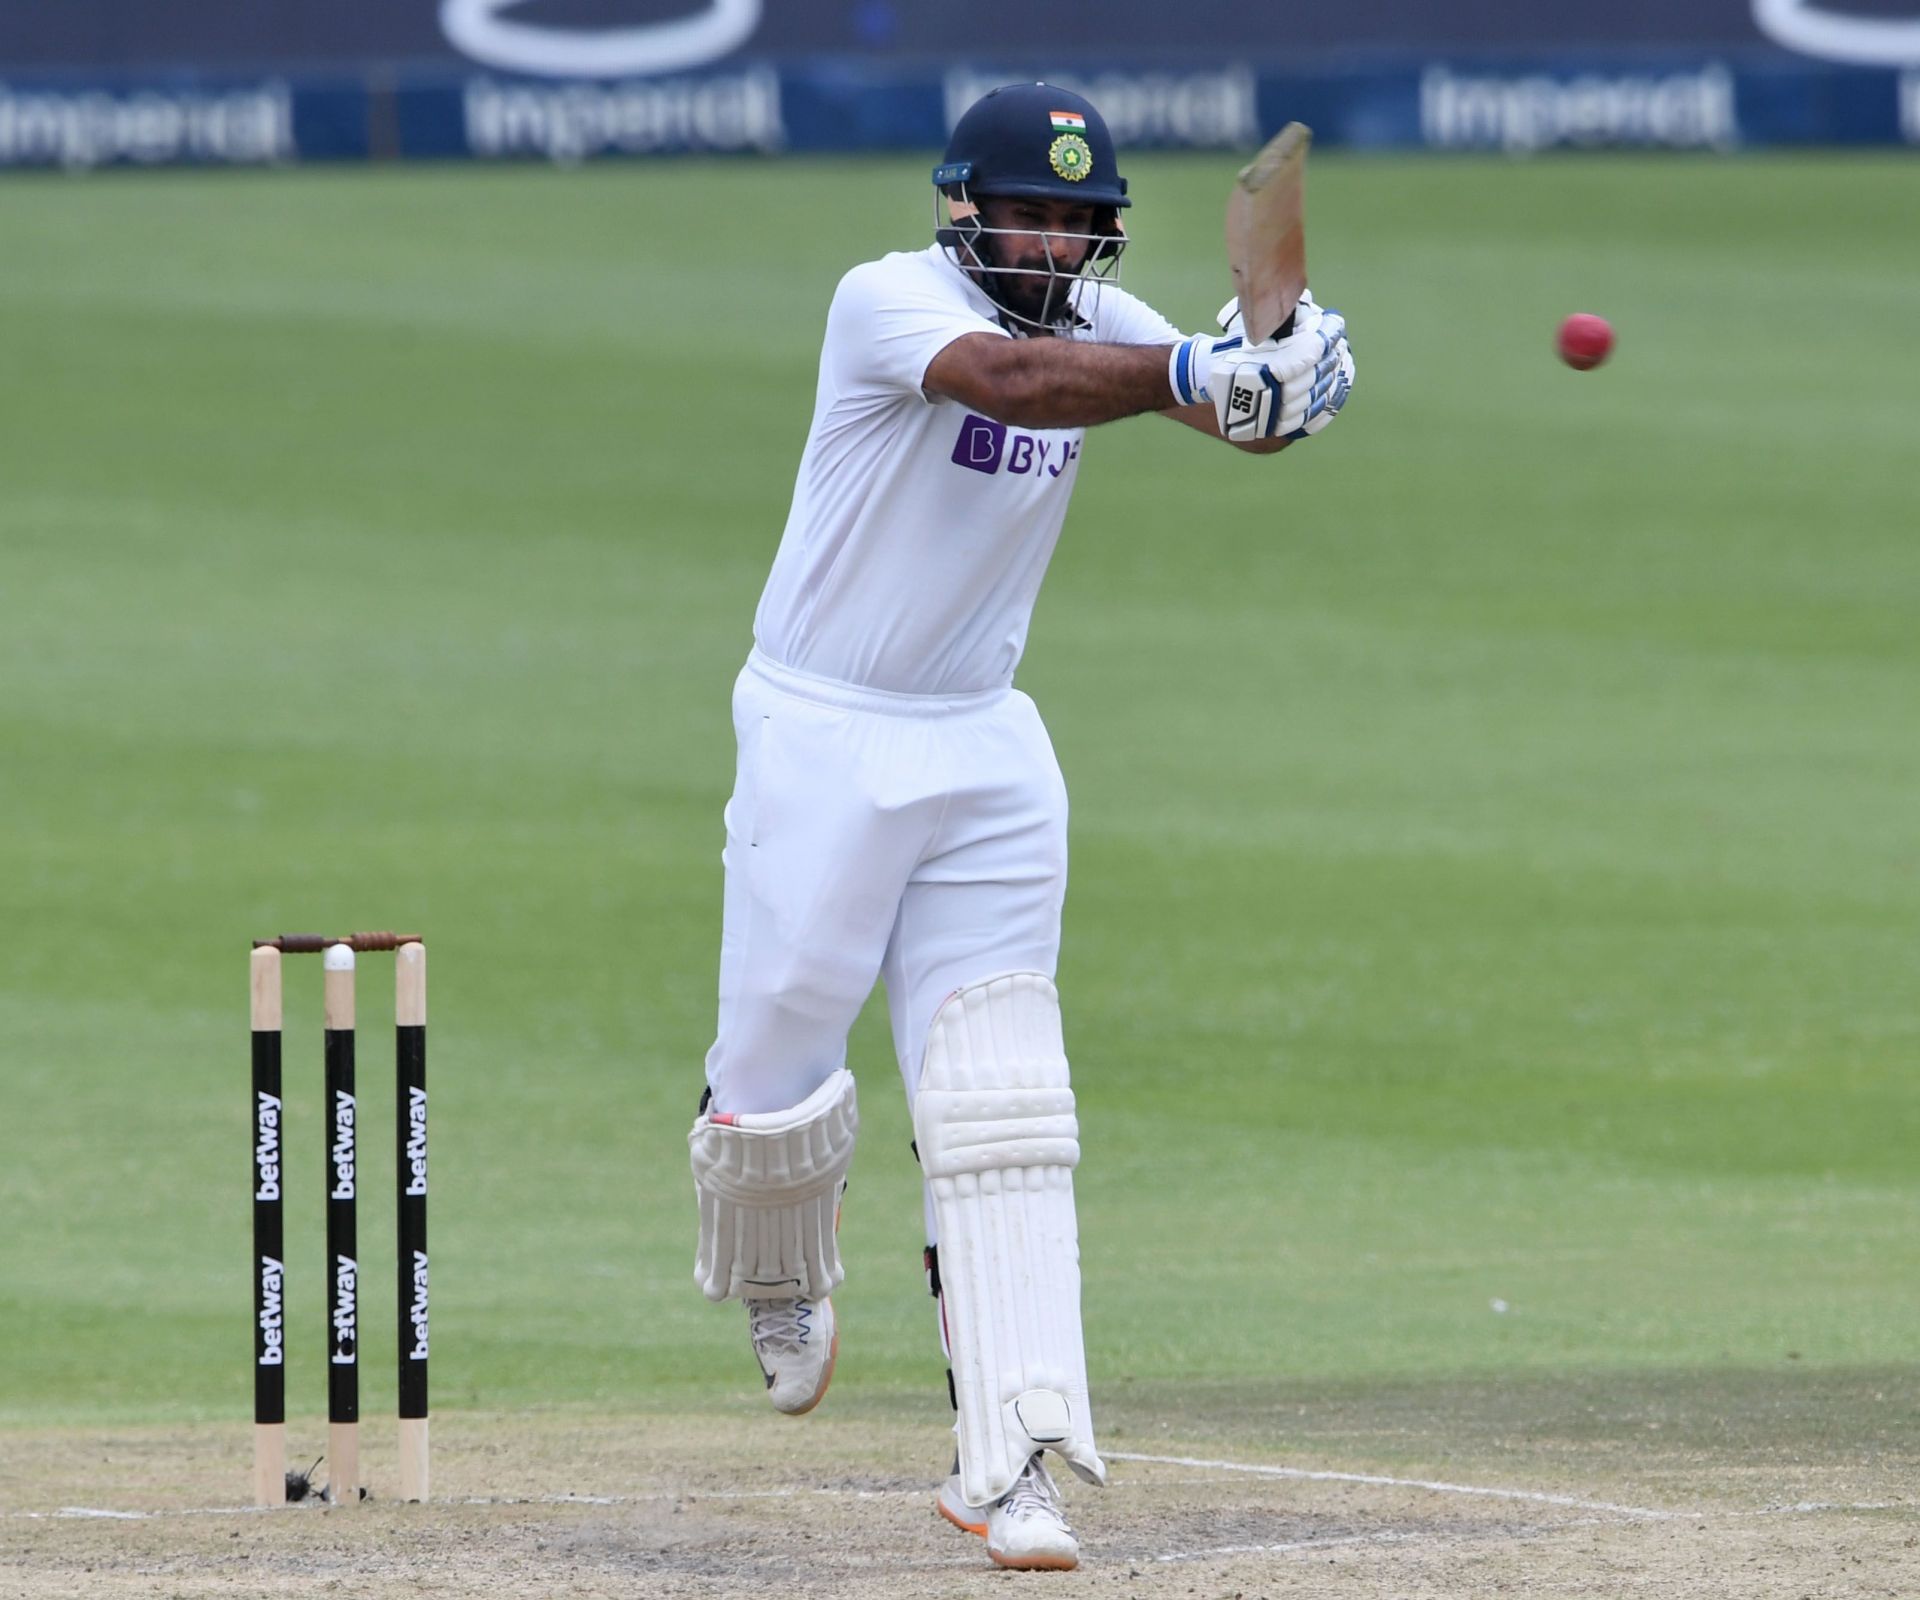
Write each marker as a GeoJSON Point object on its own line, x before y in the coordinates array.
{"type": "Point", "coordinates": [1267, 234]}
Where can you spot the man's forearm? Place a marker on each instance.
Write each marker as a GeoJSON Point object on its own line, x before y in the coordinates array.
{"type": "Point", "coordinates": [1053, 383]}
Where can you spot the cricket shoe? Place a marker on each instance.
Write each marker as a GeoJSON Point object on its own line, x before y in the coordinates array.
{"type": "Point", "coordinates": [1025, 1529]}
{"type": "Point", "coordinates": [796, 1343]}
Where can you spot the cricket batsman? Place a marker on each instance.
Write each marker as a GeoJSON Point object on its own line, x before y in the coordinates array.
{"type": "Point", "coordinates": [897, 812]}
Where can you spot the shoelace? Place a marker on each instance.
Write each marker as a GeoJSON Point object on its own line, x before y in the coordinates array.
{"type": "Point", "coordinates": [779, 1324]}
{"type": "Point", "coordinates": [1034, 1494]}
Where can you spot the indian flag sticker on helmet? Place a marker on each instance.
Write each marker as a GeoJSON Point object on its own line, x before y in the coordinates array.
{"type": "Point", "coordinates": [1071, 157]}
{"type": "Point", "coordinates": [1068, 122]}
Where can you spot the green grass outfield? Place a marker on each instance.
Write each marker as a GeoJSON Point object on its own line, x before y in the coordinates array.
{"type": "Point", "coordinates": [1496, 875]}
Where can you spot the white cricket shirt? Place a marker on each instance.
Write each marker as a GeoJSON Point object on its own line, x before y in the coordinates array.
{"type": "Point", "coordinates": [920, 530]}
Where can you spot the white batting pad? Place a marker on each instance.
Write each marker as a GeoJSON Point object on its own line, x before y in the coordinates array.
{"type": "Point", "coordinates": [769, 1189]}
{"type": "Point", "coordinates": [998, 1142]}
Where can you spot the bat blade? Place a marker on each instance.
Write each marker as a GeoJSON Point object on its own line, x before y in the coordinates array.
{"type": "Point", "coordinates": [1267, 233]}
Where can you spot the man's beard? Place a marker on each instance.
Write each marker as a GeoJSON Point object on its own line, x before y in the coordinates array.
{"type": "Point", "coordinates": [1033, 295]}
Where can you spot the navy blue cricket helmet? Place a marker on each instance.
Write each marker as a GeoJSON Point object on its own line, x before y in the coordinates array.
{"type": "Point", "coordinates": [1031, 141]}
{"type": "Point", "coordinates": [1035, 141]}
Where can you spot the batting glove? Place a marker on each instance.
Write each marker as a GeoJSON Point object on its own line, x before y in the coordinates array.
{"type": "Point", "coordinates": [1196, 361]}
{"type": "Point", "coordinates": [1321, 410]}
{"type": "Point", "coordinates": [1305, 314]}
{"type": "Point", "coordinates": [1329, 397]}
{"type": "Point", "coordinates": [1289, 389]}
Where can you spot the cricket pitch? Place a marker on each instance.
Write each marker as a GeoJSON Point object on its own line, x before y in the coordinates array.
{"type": "Point", "coordinates": [841, 1505]}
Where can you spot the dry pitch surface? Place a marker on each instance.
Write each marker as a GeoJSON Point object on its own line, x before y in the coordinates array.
{"type": "Point", "coordinates": [744, 1504]}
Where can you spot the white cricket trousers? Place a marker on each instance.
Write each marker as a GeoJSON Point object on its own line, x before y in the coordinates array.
{"type": "Point", "coordinates": [917, 838]}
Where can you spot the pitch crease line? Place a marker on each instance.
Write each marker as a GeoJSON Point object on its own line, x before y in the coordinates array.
{"type": "Point", "coordinates": [1535, 1496]}
{"type": "Point", "coordinates": [1801, 1508]}
{"type": "Point", "coordinates": [663, 1496]}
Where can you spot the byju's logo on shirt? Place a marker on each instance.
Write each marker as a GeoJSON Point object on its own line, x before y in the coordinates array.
{"type": "Point", "coordinates": [985, 446]}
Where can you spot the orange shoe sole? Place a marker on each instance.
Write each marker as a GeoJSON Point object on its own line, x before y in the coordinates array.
{"type": "Point", "coordinates": [1030, 1564]}
{"type": "Point", "coordinates": [1036, 1563]}
{"type": "Point", "coordinates": [965, 1527]}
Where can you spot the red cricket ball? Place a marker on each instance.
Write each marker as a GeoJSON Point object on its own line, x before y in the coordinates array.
{"type": "Point", "coordinates": [1585, 340]}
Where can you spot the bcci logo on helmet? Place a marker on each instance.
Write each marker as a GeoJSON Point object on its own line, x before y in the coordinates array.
{"type": "Point", "coordinates": [1070, 157]}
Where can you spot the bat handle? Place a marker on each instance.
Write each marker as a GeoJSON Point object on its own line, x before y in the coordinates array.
{"type": "Point", "coordinates": [1285, 328]}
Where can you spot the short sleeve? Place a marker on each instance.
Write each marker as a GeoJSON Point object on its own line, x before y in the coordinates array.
{"type": "Point", "coordinates": [886, 325]}
{"type": "Point", "coordinates": [1122, 318]}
